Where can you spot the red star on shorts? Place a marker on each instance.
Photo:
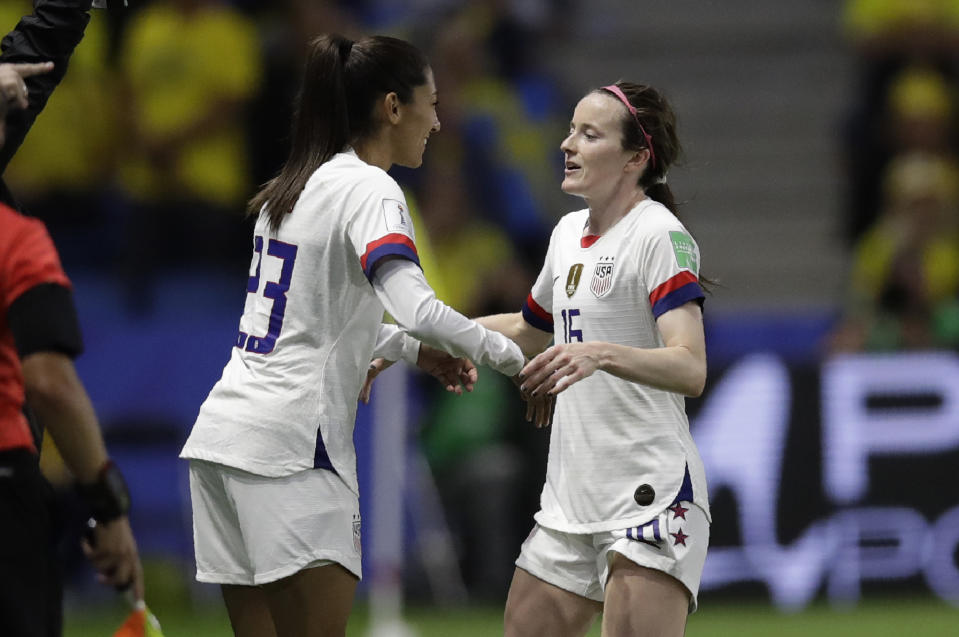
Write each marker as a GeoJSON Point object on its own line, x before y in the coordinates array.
{"type": "Point", "coordinates": [679, 511]}
{"type": "Point", "coordinates": [679, 538]}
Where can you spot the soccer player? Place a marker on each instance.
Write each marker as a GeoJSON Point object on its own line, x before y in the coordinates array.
{"type": "Point", "coordinates": [624, 518]}
{"type": "Point", "coordinates": [272, 463]}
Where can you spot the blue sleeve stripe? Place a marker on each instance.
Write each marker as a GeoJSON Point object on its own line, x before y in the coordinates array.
{"type": "Point", "coordinates": [679, 296]}
{"type": "Point", "coordinates": [388, 250]}
{"type": "Point", "coordinates": [536, 321]}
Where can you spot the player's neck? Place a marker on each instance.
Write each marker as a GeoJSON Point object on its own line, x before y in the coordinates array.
{"type": "Point", "coordinates": [604, 214]}
{"type": "Point", "coordinates": [374, 151]}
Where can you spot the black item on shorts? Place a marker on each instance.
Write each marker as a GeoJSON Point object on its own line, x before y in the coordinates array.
{"type": "Point", "coordinates": [31, 596]}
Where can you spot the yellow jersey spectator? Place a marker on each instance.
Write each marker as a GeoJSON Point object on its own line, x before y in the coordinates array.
{"type": "Point", "coordinates": [189, 67]}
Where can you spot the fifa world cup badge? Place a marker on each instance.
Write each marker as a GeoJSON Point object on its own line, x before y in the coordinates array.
{"type": "Point", "coordinates": [572, 279]}
{"type": "Point", "coordinates": [397, 217]}
{"type": "Point", "coordinates": [602, 281]}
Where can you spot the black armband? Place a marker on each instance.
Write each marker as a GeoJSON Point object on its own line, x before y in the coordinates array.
{"type": "Point", "coordinates": [44, 319]}
{"type": "Point", "coordinates": [108, 497]}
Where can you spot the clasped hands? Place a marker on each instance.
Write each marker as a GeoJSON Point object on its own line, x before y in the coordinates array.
{"type": "Point", "coordinates": [540, 380]}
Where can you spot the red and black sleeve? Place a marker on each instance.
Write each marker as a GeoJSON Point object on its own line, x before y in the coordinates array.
{"type": "Point", "coordinates": [37, 293]}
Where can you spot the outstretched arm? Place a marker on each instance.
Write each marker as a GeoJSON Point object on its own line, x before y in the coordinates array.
{"type": "Point", "coordinates": [679, 366]}
{"type": "Point", "coordinates": [514, 327]}
{"type": "Point", "coordinates": [49, 34]}
{"type": "Point", "coordinates": [407, 296]}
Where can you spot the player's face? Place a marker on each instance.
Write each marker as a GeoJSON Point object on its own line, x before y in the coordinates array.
{"type": "Point", "coordinates": [594, 152]}
{"type": "Point", "coordinates": [418, 122]}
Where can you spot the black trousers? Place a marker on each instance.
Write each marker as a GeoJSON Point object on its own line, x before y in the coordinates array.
{"type": "Point", "coordinates": [31, 594]}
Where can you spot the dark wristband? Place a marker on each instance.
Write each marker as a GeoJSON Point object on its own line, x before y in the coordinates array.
{"type": "Point", "coordinates": [108, 497]}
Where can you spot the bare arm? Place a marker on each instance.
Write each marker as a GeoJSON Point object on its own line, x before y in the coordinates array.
{"type": "Point", "coordinates": [60, 402]}
{"type": "Point", "coordinates": [514, 327]}
{"type": "Point", "coordinates": [679, 366]}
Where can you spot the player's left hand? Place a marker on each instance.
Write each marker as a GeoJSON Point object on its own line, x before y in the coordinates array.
{"type": "Point", "coordinates": [377, 365]}
{"type": "Point", "coordinates": [557, 368]}
{"type": "Point", "coordinates": [455, 374]}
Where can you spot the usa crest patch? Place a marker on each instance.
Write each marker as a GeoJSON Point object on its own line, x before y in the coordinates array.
{"type": "Point", "coordinates": [602, 281]}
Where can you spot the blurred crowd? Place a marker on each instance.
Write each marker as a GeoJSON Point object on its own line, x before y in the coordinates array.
{"type": "Point", "coordinates": [174, 111]}
{"type": "Point", "coordinates": [901, 157]}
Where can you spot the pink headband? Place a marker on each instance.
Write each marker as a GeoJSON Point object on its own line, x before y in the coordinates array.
{"type": "Point", "coordinates": [615, 90]}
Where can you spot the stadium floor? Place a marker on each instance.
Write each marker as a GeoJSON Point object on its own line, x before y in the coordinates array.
{"type": "Point", "coordinates": [875, 618]}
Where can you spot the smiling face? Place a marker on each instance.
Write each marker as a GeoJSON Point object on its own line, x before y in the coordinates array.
{"type": "Point", "coordinates": [595, 158]}
{"type": "Point", "coordinates": [417, 122]}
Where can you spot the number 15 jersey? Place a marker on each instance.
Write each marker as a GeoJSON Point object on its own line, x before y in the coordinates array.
{"type": "Point", "coordinates": [611, 436]}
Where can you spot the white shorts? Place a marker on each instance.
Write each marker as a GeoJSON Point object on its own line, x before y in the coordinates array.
{"type": "Point", "coordinates": [250, 529]}
{"type": "Point", "coordinates": [674, 542]}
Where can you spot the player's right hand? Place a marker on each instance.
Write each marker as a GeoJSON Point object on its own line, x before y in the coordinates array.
{"type": "Point", "coordinates": [13, 87]}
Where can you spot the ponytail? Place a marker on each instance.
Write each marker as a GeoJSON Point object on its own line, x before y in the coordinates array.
{"type": "Point", "coordinates": [319, 130]}
{"type": "Point", "coordinates": [334, 108]}
{"type": "Point", "coordinates": [661, 192]}
{"type": "Point", "coordinates": [649, 123]}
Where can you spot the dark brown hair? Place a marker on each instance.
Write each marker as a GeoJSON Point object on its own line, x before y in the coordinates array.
{"type": "Point", "coordinates": [659, 121]}
{"type": "Point", "coordinates": [342, 81]}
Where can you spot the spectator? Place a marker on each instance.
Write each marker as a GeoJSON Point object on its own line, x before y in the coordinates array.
{"type": "Point", "coordinates": [888, 36]}
{"type": "Point", "coordinates": [189, 69]}
{"type": "Point", "coordinates": [63, 169]}
{"type": "Point", "coordinates": [905, 277]}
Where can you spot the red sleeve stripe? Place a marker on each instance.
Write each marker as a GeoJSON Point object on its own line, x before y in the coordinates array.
{"type": "Point", "coordinates": [677, 291]}
{"type": "Point", "coordinates": [683, 278]}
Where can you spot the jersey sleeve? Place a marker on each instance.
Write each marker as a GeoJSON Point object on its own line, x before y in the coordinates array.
{"type": "Point", "coordinates": [50, 33]}
{"type": "Point", "coordinates": [382, 226]}
{"type": "Point", "coordinates": [29, 259]}
{"type": "Point", "coordinates": [538, 308]}
{"type": "Point", "coordinates": [671, 270]}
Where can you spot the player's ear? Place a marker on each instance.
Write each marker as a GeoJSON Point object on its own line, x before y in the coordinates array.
{"type": "Point", "coordinates": [391, 104]}
{"type": "Point", "coordinates": [638, 161]}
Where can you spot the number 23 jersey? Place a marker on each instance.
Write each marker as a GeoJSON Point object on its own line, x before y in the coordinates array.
{"type": "Point", "coordinates": [287, 398]}
{"type": "Point", "coordinates": [611, 436]}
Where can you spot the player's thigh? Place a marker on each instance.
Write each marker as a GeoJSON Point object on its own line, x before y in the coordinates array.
{"type": "Point", "coordinates": [249, 611]}
{"type": "Point", "coordinates": [313, 602]}
{"type": "Point", "coordinates": [537, 608]}
{"type": "Point", "coordinates": [643, 602]}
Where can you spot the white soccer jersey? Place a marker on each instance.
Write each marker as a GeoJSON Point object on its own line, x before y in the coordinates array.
{"type": "Point", "coordinates": [287, 398]}
{"type": "Point", "coordinates": [616, 443]}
